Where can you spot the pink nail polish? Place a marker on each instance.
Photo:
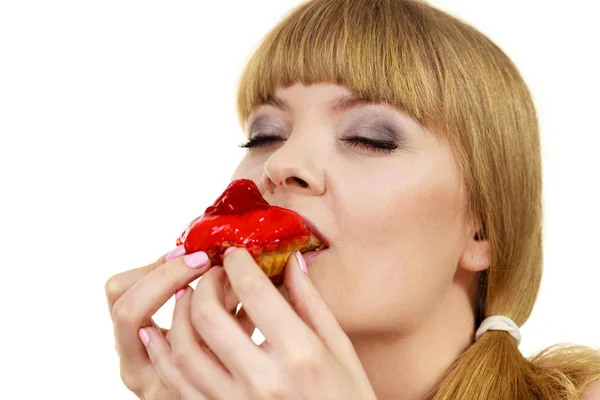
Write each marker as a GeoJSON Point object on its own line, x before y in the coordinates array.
{"type": "Point", "coordinates": [179, 294]}
{"type": "Point", "coordinates": [229, 250]}
{"type": "Point", "coordinates": [196, 260]}
{"type": "Point", "coordinates": [144, 337]}
{"type": "Point", "coordinates": [301, 262]}
{"type": "Point", "coordinates": [175, 253]}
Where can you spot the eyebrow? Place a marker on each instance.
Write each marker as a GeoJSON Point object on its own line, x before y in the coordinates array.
{"type": "Point", "coordinates": [339, 104]}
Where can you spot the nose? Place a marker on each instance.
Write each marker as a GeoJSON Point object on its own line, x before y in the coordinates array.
{"type": "Point", "coordinates": [294, 167]}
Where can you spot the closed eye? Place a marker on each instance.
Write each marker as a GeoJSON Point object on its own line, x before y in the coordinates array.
{"type": "Point", "coordinates": [376, 146]}
{"type": "Point", "coordinates": [261, 141]}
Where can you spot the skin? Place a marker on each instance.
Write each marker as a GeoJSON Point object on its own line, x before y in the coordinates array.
{"type": "Point", "coordinates": [592, 392]}
{"type": "Point", "coordinates": [408, 236]}
{"type": "Point", "coordinates": [396, 282]}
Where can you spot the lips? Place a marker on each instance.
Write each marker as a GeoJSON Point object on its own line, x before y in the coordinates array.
{"type": "Point", "coordinates": [311, 254]}
{"type": "Point", "coordinates": [324, 243]}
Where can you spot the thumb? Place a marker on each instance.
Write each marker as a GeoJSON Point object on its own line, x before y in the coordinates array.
{"type": "Point", "coordinates": [298, 285]}
{"type": "Point", "coordinates": [311, 307]}
{"type": "Point", "coordinates": [307, 302]}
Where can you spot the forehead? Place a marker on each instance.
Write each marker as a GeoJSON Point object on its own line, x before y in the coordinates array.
{"type": "Point", "coordinates": [335, 98]}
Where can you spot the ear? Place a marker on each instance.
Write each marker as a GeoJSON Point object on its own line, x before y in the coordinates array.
{"type": "Point", "coordinates": [477, 255]}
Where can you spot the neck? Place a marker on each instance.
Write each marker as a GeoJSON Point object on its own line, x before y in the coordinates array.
{"type": "Point", "coordinates": [408, 366]}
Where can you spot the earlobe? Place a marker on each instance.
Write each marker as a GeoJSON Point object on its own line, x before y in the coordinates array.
{"type": "Point", "coordinates": [477, 255]}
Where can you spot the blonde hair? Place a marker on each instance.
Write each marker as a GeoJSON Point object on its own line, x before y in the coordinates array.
{"type": "Point", "coordinates": [455, 81]}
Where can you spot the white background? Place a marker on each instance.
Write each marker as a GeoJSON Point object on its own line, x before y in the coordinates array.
{"type": "Point", "coordinates": [118, 126]}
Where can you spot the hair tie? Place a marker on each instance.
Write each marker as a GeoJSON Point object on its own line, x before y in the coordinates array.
{"type": "Point", "coordinates": [499, 323]}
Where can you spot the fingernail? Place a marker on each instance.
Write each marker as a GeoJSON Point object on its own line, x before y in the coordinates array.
{"type": "Point", "coordinates": [144, 337]}
{"type": "Point", "coordinates": [196, 260]}
{"type": "Point", "coordinates": [176, 252]}
{"type": "Point", "coordinates": [179, 293]}
{"type": "Point", "coordinates": [229, 250]}
{"type": "Point", "coordinates": [301, 262]}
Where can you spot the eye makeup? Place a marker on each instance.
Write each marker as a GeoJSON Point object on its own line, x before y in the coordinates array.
{"type": "Point", "coordinates": [376, 137]}
{"type": "Point", "coordinates": [366, 131]}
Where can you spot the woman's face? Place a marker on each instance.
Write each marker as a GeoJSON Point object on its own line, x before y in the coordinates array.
{"type": "Point", "coordinates": [384, 192]}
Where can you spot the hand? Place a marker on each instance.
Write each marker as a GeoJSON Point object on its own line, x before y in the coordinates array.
{"type": "Point", "coordinates": [133, 297]}
{"type": "Point", "coordinates": [306, 354]}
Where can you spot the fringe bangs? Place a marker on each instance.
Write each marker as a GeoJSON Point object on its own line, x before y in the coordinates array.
{"type": "Point", "coordinates": [382, 54]}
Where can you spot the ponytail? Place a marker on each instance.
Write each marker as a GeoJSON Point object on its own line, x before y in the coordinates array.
{"type": "Point", "coordinates": [494, 368]}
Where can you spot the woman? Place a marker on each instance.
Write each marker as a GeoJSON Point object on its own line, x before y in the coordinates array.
{"type": "Point", "coordinates": [411, 141]}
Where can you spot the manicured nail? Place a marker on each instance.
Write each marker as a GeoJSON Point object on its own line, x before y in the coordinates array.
{"type": "Point", "coordinates": [176, 252]}
{"type": "Point", "coordinates": [144, 337]}
{"type": "Point", "coordinates": [196, 260]}
{"type": "Point", "coordinates": [179, 293]}
{"type": "Point", "coordinates": [229, 250]}
{"type": "Point", "coordinates": [301, 262]}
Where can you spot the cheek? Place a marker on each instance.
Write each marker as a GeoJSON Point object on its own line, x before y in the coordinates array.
{"type": "Point", "coordinates": [420, 209]}
{"type": "Point", "coordinates": [402, 237]}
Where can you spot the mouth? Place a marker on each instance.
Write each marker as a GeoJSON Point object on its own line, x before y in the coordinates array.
{"type": "Point", "coordinates": [318, 241]}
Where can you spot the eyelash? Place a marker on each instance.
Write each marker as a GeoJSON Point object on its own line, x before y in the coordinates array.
{"type": "Point", "coordinates": [375, 146]}
{"type": "Point", "coordinates": [260, 141]}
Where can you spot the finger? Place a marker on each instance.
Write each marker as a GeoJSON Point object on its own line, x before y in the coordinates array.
{"type": "Point", "coordinates": [118, 284]}
{"type": "Point", "coordinates": [182, 323]}
{"type": "Point", "coordinates": [163, 331]}
{"type": "Point", "coordinates": [248, 326]}
{"type": "Point", "coordinates": [159, 353]}
{"type": "Point", "coordinates": [197, 363]}
{"type": "Point", "coordinates": [138, 371]}
{"type": "Point", "coordinates": [241, 317]}
{"type": "Point", "coordinates": [219, 330]}
{"type": "Point", "coordinates": [244, 321]}
{"type": "Point", "coordinates": [230, 300]}
{"type": "Point", "coordinates": [310, 306]}
{"type": "Point", "coordinates": [145, 297]}
{"type": "Point", "coordinates": [266, 306]}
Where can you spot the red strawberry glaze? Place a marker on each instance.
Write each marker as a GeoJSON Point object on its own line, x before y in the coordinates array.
{"type": "Point", "coordinates": [241, 217]}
